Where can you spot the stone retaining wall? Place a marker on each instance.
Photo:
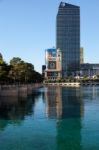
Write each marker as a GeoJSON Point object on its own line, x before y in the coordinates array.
{"type": "Point", "coordinates": [18, 90]}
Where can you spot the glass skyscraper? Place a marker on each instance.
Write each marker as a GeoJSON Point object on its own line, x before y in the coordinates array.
{"type": "Point", "coordinates": [68, 37]}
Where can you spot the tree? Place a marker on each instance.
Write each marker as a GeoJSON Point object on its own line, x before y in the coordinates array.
{"type": "Point", "coordinates": [4, 71]}
{"type": "Point", "coordinates": [18, 72]}
{"type": "Point", "coordinates": [23, 72]}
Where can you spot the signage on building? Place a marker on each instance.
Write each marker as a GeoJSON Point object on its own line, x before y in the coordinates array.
{"type": "Point", "coordinates": [52, 65]}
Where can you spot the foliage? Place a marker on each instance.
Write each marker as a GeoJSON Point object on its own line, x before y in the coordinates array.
{"type": "Point", "coordinates": [18, 72]}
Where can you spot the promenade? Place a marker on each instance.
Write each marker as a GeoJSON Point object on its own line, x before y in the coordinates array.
{"type": "Point", "coordinates": [72, 84]}
{"type": "Point", "coordinates": [68, 84]}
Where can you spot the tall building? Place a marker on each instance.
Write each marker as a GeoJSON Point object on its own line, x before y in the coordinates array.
{"type": "Point", "coordinates": [68, 37]}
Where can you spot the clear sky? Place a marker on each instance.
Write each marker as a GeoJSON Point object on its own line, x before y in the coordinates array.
{"type": "Point", "coordinates": [27, 28]}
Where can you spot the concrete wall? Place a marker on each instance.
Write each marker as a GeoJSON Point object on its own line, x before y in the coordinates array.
{"type": "Point", "coordinates": [18, 90]}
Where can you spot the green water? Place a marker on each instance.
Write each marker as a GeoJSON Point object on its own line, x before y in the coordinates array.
{"type": "Point", "coordinates": [53, 118]}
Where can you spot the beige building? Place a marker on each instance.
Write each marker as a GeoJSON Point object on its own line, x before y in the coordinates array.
{"type": "Point", "coordinates": [53, 64]}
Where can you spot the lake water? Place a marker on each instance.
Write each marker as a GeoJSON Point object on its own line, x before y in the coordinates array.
{"type": "Point", "coordinates": [53, 118]}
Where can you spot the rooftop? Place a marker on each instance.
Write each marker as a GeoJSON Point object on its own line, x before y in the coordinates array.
{"type": "Point", "coordinates": [64, 5]}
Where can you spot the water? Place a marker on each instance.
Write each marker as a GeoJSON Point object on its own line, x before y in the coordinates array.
{"type": "Point", "coordinates": [54, 118]}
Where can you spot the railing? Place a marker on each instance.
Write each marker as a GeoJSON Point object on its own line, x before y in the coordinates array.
{"type": "Point", "coordinates": [76, 84]}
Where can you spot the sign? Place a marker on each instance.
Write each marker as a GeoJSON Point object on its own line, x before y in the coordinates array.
{"type": "Point", "coordinates": [52, 65]}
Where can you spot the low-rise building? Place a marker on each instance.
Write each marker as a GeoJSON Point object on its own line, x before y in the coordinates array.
{"type": "Point", "coordinates": [43, 70]}
{"type": "Point", "coordinates": [53, 69]}
{"type": "Point", "coordinates": [87, 69]}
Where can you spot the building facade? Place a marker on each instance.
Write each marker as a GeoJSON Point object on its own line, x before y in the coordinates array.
{"type": "Point", "coordinates": [68, 37]}
{"type": "Point", "coordinates": [53, 64]}
{"type": "Point", "coordinates": [87, 69]}
{"type": "Point", "coordinates": [43, 70]}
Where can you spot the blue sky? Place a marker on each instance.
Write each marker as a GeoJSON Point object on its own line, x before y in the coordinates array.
{"type": "Point", "coordinates": [27, 28]}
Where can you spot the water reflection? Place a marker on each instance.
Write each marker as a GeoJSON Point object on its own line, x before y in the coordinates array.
{"type": "Point", "coordinates": [13, 110]}
{"type": "Point", "coordinates": [53, 102]}
{"type": "Point", "coordinates": [53, 118]}
{"type": "Point", "coordinates": [62, 102]}
{"type": "Point", "coordinates": [67, 106]}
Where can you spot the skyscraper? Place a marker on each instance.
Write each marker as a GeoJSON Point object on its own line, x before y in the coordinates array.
{"type": "Point", "coordinates": [68, 37]}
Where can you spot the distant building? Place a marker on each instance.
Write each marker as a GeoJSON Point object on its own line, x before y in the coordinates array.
{"type": "Point", "coordinates": [81, 55]}
{"type": "Point", "coordinates": [53, 64]}
{"type": "Point", "coordinates": [68, 37]}
{"type": "Point", "coordinates": [87, 69]}
{"type": "Point", "coordinates": [68, 58]}
{"type": "Point", "coordinates": [43, 70]}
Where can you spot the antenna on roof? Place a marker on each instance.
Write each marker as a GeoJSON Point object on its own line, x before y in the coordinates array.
{"type": "Point", "coordinates": [63, 4]}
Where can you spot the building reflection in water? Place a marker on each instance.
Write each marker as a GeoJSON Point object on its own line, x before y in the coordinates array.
{"type": "Point", "coordinates": [53, 102]}
{"type": "Point", "coordinates": [62, 102]}
{"type": "Point", "coordinates": [66, 104]}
